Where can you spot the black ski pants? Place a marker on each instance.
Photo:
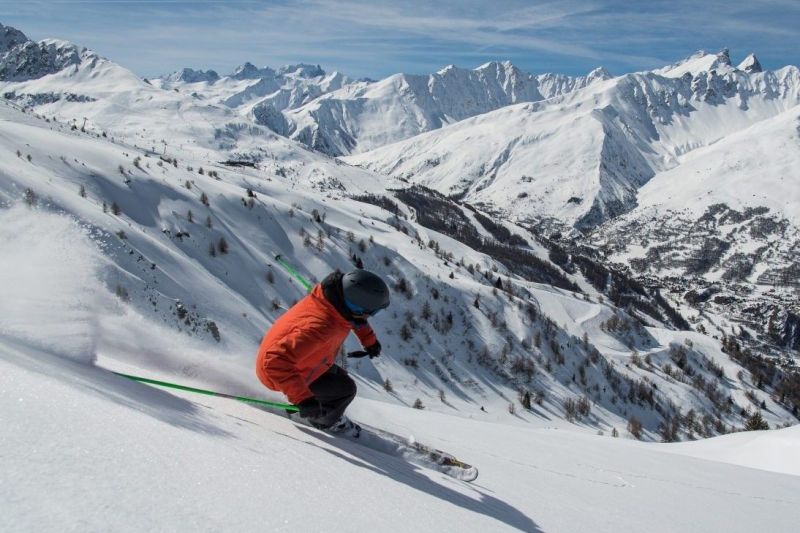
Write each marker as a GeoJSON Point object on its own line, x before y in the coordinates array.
{"type": "Point", "coordinates": [334, 389]}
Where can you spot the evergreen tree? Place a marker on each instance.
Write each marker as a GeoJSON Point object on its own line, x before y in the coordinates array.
{"type": "Point", "coordinates": [756, 422]}
{"type": "Point", "coordinates": [222, 246]}
{"type": "Point", "coordinates": [526, 400]}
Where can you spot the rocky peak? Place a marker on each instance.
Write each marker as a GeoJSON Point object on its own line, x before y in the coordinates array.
{"type": "Point", "coordinates": [600, 73]}
{"type": "Point", "coordinates": [750, 64]}
{"type": "Point", "coordinates": [189, 75]}
{"type": "Point", "coordinates": [698, 63]}
{"type": "Point", "coordinates": [249, 71]}
{"type": "Point", "coordinates": [301, 70]}
{"type": "Point", "coordinates": [10, 37]}
{"type": "Point", "coordinates": [30, 60]}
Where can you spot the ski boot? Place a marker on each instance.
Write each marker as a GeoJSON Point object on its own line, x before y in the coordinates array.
{"type": "Point", "coordinates": [345, 427]}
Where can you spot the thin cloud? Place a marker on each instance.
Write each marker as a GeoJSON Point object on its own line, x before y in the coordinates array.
{"type": "Point", "coordinates": [378, 38]}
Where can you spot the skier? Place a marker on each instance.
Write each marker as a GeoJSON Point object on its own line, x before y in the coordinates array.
{"type": "Point", "coordinates": [297, 354]}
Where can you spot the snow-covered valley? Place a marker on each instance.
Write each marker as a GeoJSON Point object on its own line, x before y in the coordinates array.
{"type": "Point", "coordinates": [139, 227]}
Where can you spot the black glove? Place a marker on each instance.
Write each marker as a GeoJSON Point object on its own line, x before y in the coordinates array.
{"type": "Point", "coordinates": [310, 408]}
{"type": "Point", "coordinates": [374, 350]}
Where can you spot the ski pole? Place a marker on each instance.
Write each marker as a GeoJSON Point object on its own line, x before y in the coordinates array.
{"type": "Point", "coordinates": [278, 405]}
{"type": "Point", "coordinates": [294, 273]}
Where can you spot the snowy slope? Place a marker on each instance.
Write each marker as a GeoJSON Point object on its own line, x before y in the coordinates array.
{"type": "Point", "coordinates": [776, 451]}
{"type": "Point", "coordinates": [754, 167]}
{"type": "Point", "coordinates": [106, 453]}
{"type": "Point", "coordinates": [454, 356]}
{"type": "Point", "coordinates": [515, 163]}
{"type": "Point", "coordinates": [725, 223]}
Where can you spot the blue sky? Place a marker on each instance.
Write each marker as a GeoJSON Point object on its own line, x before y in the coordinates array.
{"type": "Point", "coordinates": [377, 38]}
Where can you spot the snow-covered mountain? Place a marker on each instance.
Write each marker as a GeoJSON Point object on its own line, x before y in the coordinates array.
{"type": "Point", "coordinates": [148, 219]}
{"type": "Point", "coordinates": [157, 155]}
{"type": "Point", "coordinates": [581, 158]}
{"type": "Point", "coordinates": [258, 94]}
{"type": "Point", "coordinates": [369, 115]}
{"type": "Point", "coordinates": [336, 115]}
{"type": "Point", "coordinates": [650, 163]}
{"type": "Point", "coordinates": [722, 230]}
{"type": "Point", "coordinates": [22, 59]}
{"type": "Point", "coordinates": [161, 222]}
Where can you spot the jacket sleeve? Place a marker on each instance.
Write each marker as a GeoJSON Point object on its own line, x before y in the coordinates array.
{"type": "Point", "coordinates": [365, 334]}
{"type": "Point", "coordinates": [279, 364]}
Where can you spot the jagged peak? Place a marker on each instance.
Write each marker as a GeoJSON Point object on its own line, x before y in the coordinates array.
{"type": "Point", "coordinates": [10, 37]}
{"type": "Point", "coordinates": [724, 56]}
{"type": "Point", "coordinates": [250, 71]}
{"type": "Point", "coordinates": [599, 73]}
{"type": "Point", "coordinates": [700, 61]}
{"type": "Point", "coordinates": [499, 65]}
{"type": "Point", "coordinates": [190, 75]}
{"type": "Point", "coordinates": [750, 64]}
{"type": "Point", "coordinates": [303, 70]}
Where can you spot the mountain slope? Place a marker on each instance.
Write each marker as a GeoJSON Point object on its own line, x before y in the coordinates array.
{"type": "Point", "coordinates": [189, 231]}
{"type": "Point", "coordinates": [580, 158]}
{"type": "Point", "coordinates": [92, 443]}
{"type": "Point", "coordinates": [724, 223]}
{"type": "Point", "coordinates": [260, 94]}
{"type": "Point", "coordinates": [171, 265]}
{"type": "Point", "coordinates": [366, 116]}
{"type": "Point", "coordinates": [139, 229]}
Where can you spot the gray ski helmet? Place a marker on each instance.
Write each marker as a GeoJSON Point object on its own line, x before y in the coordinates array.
{"type": "Point", "coordinates": [364, 292]}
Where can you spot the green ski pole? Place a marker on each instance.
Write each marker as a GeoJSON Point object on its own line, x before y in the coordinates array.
{"type": "Point", "coordinates": [286, 406]}
{"type": "Point", "coordinates": [277, 405]}
{"type": "Point", "coordinates": [294, 273]}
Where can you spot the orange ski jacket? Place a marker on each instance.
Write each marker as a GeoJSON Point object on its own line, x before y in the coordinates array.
{"type": "Point", "coordinates": [302, 345]}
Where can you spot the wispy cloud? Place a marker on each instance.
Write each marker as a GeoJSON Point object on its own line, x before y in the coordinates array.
{"type": "Point", "coordinates": [379, 37]}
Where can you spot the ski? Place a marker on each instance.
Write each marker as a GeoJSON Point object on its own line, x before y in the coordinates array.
{"type": "Point", "coordinates": [406, 448]}
{"type": "Point", "coordinates": [423, 455]}
{"type": "Point", "coordinates": [371, 437]}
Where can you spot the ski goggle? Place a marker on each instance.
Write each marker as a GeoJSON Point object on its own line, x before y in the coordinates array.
{"type": "Point", "coordinates": [358, 310]}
